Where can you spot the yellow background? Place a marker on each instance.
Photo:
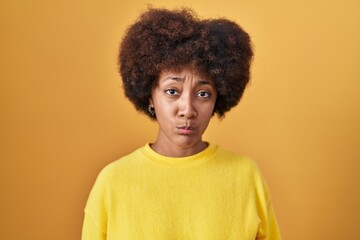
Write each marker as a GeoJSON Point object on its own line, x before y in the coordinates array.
{"type": "Point", "coordinates": [64, 115]}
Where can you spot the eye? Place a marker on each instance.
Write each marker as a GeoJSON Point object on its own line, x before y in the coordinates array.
{"type": "Point", "coordinates": [203, 94]}
{"type": "Point", "coordinates": [171, 92]}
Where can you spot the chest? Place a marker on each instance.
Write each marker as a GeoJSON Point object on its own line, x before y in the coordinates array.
{"type": "Point", "coordinates": [185, 205]}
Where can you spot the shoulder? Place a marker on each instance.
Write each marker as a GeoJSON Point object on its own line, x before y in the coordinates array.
{"type": "Point", "coordinates": [120, 167]}
{"type": "Point", "coordinates": [242, 166]}
{"type": "Point", "coordinates": [231, 157]}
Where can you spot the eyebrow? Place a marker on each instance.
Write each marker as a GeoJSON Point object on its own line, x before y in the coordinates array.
{"type": "Point", "coordinates": [180, 79]}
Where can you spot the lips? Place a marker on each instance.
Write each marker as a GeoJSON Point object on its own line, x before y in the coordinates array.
{"type": "Point", "coordinates": [186, 130]}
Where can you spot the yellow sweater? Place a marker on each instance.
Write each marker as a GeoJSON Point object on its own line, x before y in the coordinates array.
{"type": "Point", "coordinates": [214, 194]}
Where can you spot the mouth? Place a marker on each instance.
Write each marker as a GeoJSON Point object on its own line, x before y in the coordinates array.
{"type": "Point", "coordinates": [186, 130]}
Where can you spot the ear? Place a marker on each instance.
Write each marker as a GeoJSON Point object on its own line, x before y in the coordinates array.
{"type": "Point", "coordinates": [151, 103]}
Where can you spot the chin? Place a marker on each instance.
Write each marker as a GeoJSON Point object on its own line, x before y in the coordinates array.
{"type": "Point", "coordinates": [187, 142]}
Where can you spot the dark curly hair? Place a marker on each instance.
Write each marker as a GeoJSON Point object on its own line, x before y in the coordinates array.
{"type": "Point", "coordinates": [164, 39]}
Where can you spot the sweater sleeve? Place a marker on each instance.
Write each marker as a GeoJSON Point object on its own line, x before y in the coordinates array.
{"type": "Point", "coordinates": [96, 211]}
{"type": "Point", "coordinates": [91, 230]}
{"type": "Point", "coordinates": [268, 229]}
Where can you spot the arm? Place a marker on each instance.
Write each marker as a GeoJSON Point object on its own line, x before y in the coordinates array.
{"type": "Point", "coordinates": [96, 211]}
{"type": "Point", "coordinates": [90, 230]}
{"type": "Point", "coordinates": [268, 228]}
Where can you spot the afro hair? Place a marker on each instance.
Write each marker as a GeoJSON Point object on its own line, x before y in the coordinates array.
{"type": "Point", "coordinates": [164, 39]}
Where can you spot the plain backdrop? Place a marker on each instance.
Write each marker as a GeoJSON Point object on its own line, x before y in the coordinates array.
{"type": "Point", "coordinates": [64, 115]}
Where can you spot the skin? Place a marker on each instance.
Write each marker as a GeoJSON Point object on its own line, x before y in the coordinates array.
{"type": "Point", "coordinates": [184, 102]}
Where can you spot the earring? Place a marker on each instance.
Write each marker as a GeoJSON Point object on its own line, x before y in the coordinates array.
{"type": "Point", "coordinates": [151, 110]}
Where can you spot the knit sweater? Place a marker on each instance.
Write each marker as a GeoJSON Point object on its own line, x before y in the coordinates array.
{"type": "Point", "coordinates": [214, 194]}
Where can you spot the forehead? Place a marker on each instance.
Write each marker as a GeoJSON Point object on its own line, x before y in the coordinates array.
{"type": "Point", "coordinates": [179, 75]}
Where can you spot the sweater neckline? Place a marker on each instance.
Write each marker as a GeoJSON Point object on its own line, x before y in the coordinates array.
{"type": "Point", "coordinates": [179, 162]}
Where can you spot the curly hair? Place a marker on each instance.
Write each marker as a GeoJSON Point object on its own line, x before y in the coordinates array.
{"type": "Point", "coordinates": [164, 39]}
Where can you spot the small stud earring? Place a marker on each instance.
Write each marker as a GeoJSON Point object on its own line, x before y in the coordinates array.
{"type": "Point", "coordinates": [151, 110]}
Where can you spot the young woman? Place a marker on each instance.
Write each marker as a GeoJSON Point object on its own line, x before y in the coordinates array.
{"type": "Point", "coordinates": [180, 71]}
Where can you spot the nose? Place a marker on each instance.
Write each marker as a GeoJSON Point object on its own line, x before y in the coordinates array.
{"type": "Point", "coordinates": [186, 107]}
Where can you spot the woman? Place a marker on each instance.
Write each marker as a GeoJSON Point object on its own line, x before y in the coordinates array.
{"type": "Point", "coordinates": [180, 71]}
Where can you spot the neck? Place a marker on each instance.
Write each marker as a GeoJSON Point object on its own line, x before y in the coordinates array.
{"type": "Point", "coordinates": [176, 151]}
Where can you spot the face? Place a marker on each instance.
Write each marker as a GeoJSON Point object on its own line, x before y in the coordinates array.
{"type": "Point", "coordinates": [183, 102]}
